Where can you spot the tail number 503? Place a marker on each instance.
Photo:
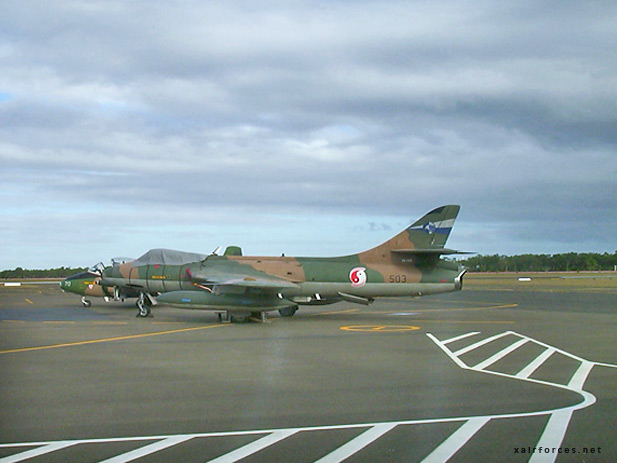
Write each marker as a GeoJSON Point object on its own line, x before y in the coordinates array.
{"type": "Point", "coordinates": [398, 278]}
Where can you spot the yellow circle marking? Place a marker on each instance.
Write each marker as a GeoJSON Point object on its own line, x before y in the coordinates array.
{"type": "Point", "coordinates": [380, 328]}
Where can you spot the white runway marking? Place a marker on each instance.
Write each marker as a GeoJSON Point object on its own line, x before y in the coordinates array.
{"type": "Point", "coordinates": [357, 444]}
{"type": "Point", "coordinates": [535, 364]}
{"type": "Point", "coordinates": [47, 448]}
{"type": "Point", "coordinates": [551, 437]}
{"type": "Point", "coordinates": [474, 346]}
{"type": "Point", "coordinates": [254, 447]}
{"type": "Point", "coordinates": [452, 444]}
{"type": "Point", "coordinates": [458, 338]}
{"type": "Point", "coordinates": [501, 354]}
{"type": "Point", "coordinates": [580, 376]}
{"type": "Point", "coordinates": [147, 450]}
{"type": "Point", "coordinates": [557, 425]}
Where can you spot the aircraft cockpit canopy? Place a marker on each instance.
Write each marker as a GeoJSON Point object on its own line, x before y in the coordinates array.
{"type": "Point", "coordinates": [97, 269]}
{"type": "Point", "coordinates": [120, 260]}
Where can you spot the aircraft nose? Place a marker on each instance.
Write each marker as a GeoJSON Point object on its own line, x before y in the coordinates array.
{"type": "Point", "coordinates": [65, 285]}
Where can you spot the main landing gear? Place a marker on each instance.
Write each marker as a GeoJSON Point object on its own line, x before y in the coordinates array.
{"type": "Point", "coordinates": [143, 304]}
{"type": "Point", "coordinates": [86, 302]}
{"type": "Point", "coordinates": [242, 317]}
{"type": "Point", "coordinates": [288, 311]}
{"type": "Point", "coordinates": [259, 317]}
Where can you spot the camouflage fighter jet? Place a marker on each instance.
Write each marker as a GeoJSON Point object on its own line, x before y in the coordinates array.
{"type": "Point", "coordinates": [244, 287]}
{"type": "Point", "coordinates": [87, 284]}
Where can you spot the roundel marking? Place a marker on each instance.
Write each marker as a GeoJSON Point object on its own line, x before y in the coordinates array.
{"type": "Point", "coordinates": [429, 227]}
{"type": "Point", "coordinates": [357, 276]}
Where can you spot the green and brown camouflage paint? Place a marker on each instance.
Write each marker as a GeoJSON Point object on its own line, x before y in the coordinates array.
{"type": "Point", "coordinates": [408, 264]}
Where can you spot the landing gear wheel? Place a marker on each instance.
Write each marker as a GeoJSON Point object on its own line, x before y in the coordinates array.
{"type": "Point", "coordinates": [288, 311]}
{"type": "Point", "coordinates": [85, 302]}
{"type": "Point", "coordinates": [143, 311]}
{"type": "Point", "coordinates": [143, 308]}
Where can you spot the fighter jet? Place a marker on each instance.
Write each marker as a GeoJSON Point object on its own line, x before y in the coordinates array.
{"type": "Point", "coordinates": [245, 287]}
{"type": "Point", "coordinates": [87, 285]}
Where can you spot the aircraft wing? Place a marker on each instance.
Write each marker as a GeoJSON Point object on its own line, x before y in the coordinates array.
{"type": "Point", "coordinates": [265, 282]}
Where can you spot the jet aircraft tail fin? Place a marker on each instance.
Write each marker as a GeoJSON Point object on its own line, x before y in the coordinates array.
{"type": "Point", "coordinates": [433, 229]}
{"type": "Point", "coordinates": [426, 237]}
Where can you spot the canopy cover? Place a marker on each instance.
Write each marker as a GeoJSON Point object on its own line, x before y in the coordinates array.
{"type": "Point", "coordinates": [168, 257]}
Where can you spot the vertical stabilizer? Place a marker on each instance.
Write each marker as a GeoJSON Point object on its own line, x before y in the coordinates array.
{"type": "Point", "coordinates": [432, 230]}
{"type": "Point", "coordinates": [426, 236]}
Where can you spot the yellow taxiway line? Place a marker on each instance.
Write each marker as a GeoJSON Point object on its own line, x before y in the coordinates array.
{"type": "Point", "coordinates": [117, 338]}
{"type": "Point", "coordinates": [379, 328]}
{"type": "Point", "coordinates": [335, 312]}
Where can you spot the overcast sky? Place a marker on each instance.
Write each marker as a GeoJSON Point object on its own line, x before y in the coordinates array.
{"type": "Point", "coordinates": [309, 128]}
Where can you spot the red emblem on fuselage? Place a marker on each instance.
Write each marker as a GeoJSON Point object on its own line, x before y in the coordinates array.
{"type": "Point", "coordinates": [357, 276]}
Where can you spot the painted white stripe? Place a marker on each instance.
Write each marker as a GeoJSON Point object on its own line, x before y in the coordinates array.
{"type": "Point", "coordinates": [602, 364]}
{"type": "Point", "coordinates": [458, 338]}
{"type": "Point", "coordinates": [254, 447]}
{"type": "Point", "coordinates": [148, 449]}
{"type": "Point", "coordinates": [447, 351]}
{"type": "Point", "coordinates": [448, 223]}
{"type": "Point", "coordinates": [580, 376]}
{"type": "Point", "coordinates": [552, 436]}
{"type": "Point", "coordinates": [464, 350]}
{"type": "Point", "coordinates": [499, 355]}
{"type": "Point", "coordinates": [52, 447]}
{"type": "Point", "coordinates": [357, 444]}
{"type": "Point", "coordinates": [535, 364]}
{"type": "Point", "coordinates": [452, 444]}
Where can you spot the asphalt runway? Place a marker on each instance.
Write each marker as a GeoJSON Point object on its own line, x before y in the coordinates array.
{"type": "Point", "coordinates": [478, 375]}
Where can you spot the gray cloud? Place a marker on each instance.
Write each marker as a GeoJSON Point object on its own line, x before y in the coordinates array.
{"type": "Point", "coordinates": [134, 112]}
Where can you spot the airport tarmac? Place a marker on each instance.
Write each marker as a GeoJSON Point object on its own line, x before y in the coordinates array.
{"type": "Point", "coordinates": [491, 373]}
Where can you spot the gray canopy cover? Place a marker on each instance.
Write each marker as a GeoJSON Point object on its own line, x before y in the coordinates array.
{"type": "Point", "coordinates": [168, 257]}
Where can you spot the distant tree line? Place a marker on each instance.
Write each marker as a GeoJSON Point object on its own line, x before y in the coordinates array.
{"type": "Point", "coordinates": [61, 272]}
{"type": "Point", "coordinates": [569, 262]}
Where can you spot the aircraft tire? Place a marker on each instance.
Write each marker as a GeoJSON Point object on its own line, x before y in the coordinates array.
{"type": "Point", "coordinates": [86, 302]}
{"type": "Point", "coordinates": [288, 311]}
{"type": "Point", "coordinates": [143, 310]}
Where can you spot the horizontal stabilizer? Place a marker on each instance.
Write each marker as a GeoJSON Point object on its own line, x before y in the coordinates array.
{"type": "Point", "coordinates": [430, 251]}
